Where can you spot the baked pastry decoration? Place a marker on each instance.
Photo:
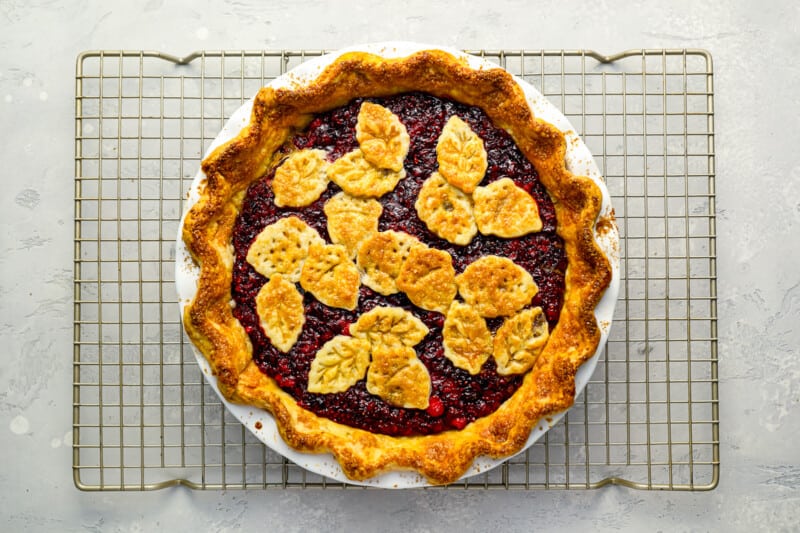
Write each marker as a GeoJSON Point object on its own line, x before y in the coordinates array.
{"type": "Point", "coordinates": [428, 279]}
{"type": "Point", "coordinates": [496, 286]}
{"type": "Point", "coordinates": [380, 258]}
{"type": "Point", "coordinates": [351, 220]}
{"type": "Point", "coordinates": [383, 139]}
{"type": "Point", "coordinates": [446, 210]}
{"type": "Point", "coordinates": [330, 275]}
{"type": "Point", "coordinates": [301, 178]}
{"type": "Point", "coordinates": [282, 248]}
{"type": "Point", "coordinates": [466, 338]}
{"type": "Point", "coordinates": [504, 209]}
{"type": "Point", "coordinates": [397, 376]}
{"type": "Point", "coordinates": [395, 262]}
{"type": "Point", "coordinates": [388, 326]}
{"type": "Point", "coordinates": [461, 155]}
{"type": "Point", "coordinates": [339, 364]}
{"type": "Point", "coordinates": [280, 308]}
{"type": "Point", "coordinates": [519, 341]}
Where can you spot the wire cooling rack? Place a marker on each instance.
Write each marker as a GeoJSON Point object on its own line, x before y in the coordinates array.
{"type": "Point", "coordinates": [144, 417]}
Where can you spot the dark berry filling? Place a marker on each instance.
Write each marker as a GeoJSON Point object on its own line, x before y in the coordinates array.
{"type": "Point", "coordinates": [457, 397]}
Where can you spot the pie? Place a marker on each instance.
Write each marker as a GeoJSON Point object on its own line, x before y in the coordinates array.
{"type": "Point", "coordinates": [395, 263]}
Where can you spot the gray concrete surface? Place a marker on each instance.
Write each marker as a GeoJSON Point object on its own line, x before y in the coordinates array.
{"type": "Point", "coordinates": [757, 75]}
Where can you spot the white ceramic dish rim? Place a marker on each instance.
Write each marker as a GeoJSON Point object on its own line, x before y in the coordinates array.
{"type": "Point", "coordinates": [579, 161]}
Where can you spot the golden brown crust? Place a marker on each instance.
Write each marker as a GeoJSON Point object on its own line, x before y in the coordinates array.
{"type": "Point", "coordinates": [278, 113]}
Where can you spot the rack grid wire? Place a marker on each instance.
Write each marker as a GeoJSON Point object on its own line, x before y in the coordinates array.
{"type": "Point", "coordinates": [143, 416]}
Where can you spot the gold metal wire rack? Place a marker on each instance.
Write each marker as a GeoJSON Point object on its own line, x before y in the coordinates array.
{"type": "Point", "coordinates": [143, 417]}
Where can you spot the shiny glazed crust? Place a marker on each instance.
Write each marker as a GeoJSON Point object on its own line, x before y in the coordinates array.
{"type": "Point", "coordinates": [278, 114]}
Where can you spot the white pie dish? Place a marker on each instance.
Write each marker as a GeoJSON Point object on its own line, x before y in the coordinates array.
{"type": "Point", "coordinates": [579, 161]}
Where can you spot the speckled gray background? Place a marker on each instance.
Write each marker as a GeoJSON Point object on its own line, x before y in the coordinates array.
{"type": "Point", "coordinates": [757, 75]}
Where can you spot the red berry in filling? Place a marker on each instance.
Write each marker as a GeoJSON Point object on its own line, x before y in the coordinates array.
{"type": "Point", "coordinates": [435, 407]}
{"type": "Point", "coordinates": [458, 422]}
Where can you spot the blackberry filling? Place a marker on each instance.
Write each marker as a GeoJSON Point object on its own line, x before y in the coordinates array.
{"type": "Point", "coordinates": [457, 397]}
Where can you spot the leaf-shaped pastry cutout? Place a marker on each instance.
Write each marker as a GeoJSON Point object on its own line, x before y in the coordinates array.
{"type": "Point", "coordinates": [496, 286]}
{"type": "Point", "coordinates": [351, 220]}
{"type": "Point", "coordinates": [389, 326]}
{"type": "Point", "coordinates": [506, 210]}
{"type": "Point", "coordinates": [446, 210]}
{"type": "Point", "coordinates": [338, 365]}
{"type": "Point", "coordinates": [428, 278]}
{"type": "Point", "coordinates": [330, 275]}
{"type": "Point", "coordinates": [461, 155]}
{"type": "Point", "coordinates": [398, 377]}
{"type": "Point", "coordinates": [382, 137]}
{"type": "Point", "coordinates": [466, 339]}
{"type": "Point", "coordinates": [301, 179]}
{"type": "Point", "coordinates": [519, 341]}
{"type": "Point", "coordinates": [280, 309]}
{"type": "Point", "coordinates": [381, 256]}
{"type": "Point", "coordinates": [358, 177]}
{"type": "Point", "coordinates": [282, 247]}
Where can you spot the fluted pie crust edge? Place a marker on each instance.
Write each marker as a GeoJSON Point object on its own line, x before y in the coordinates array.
{"type": "Point", "coordinates": [280, 113]}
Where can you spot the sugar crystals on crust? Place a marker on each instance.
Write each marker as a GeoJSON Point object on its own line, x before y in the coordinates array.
{"type": "Point", "coordinates": [351, 220]}
{"type": "Point", "coordinates": [428, 278]}
{"type": "Point", "coordinates": [496, 286]}
{"type": "Point", "coordinates": [519, 341]}
{"type": "Point", "coordinates": [397, 376]}
{"type": "Point", "coordinates": [282, 247]}
{"type": "Point", "coordinates": [466, 338]}
{"type": "Point", "coordinates": [330, 275]}
{"type": "Point", "coordinates": [504, 209]}
{"type": "Point", "coordinates": [301, 179]}
{"type": "Point", "coordinates": [461, 155]}
{"type": "Point", "coordinates": [446, 210]}
{"type": "Point", "coordinates": [280, 309]}
{"type": "Point", "coordinates": [358, 177]}
{"type": "Point", "coordinates": [383, 139]}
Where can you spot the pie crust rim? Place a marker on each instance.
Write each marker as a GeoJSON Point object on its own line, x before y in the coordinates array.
{"type": "Point", "coordinates": [360, 456]}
